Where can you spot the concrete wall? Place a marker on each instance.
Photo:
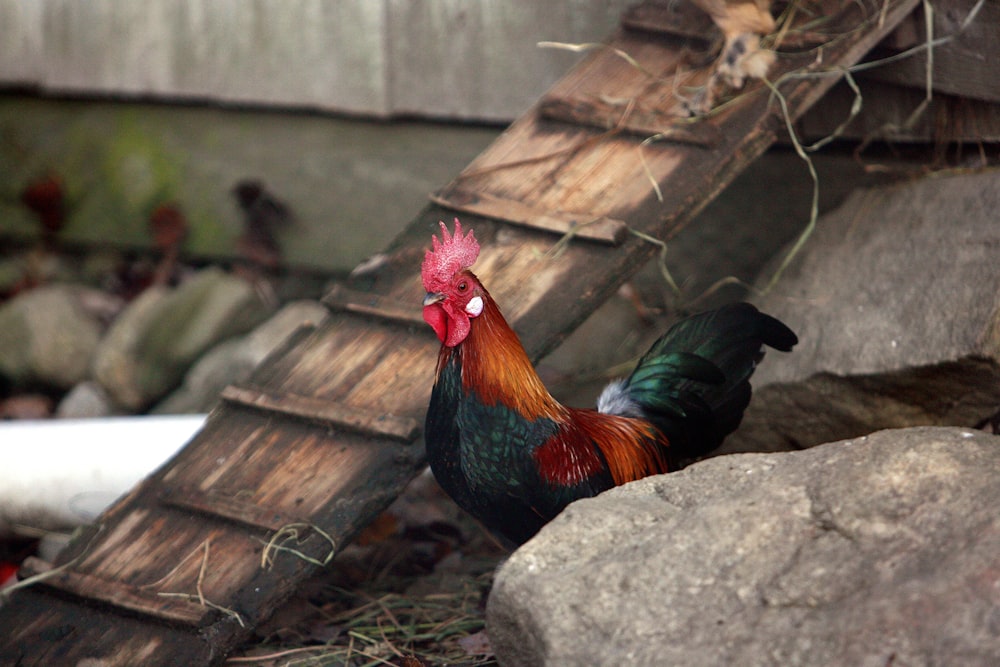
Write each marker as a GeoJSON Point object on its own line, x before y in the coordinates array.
{"type": "Point", "coordinates": [465, 59]}
{"type": "Point", "coordinates": [353, 184]}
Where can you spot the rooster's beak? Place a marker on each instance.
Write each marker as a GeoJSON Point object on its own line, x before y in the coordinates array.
{"type": "Point", "coordinates": [433, 297]}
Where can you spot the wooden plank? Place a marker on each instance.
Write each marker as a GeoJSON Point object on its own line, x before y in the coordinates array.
{"type": "Point", "coordinates": [44, 642]}
{"type": "Point", "coordinates": [130, 598]}
{"type": "Point", "coordinates": [961, 63]}
{"type": "Point", "coordinates": [336, 479]}
{"type": "Point", "coordinates": [354, 418]}
{"type": "Point", "coordinates": [594, 228]}
{"type": "Point", "coordinates": [628, 116]}
{"type": "Point", "coordinates": [655, 109]}
{"type": "Point", "coordinates": [227, 506]}
{"type": "Point", "coordinates": [886, 114]}
{"type": "Point", "coordinates": [366, 303]}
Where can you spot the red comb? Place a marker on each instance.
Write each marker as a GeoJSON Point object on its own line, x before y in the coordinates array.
{"type": "Point", "coordinates": [447, 257]}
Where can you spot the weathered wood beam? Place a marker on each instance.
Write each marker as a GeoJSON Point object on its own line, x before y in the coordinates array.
{"type": "Point", "coordinates": [969, 36]}
{"type": "Point", "coordinates": [888, 115]}
{"type": "Point", "coordinates": [603, 229]}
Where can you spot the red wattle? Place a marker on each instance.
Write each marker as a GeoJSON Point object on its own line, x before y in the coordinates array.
{"type": "Point", "coordinates": [449, 323]}
{"type": "Point", "coordinates": [435, 316]}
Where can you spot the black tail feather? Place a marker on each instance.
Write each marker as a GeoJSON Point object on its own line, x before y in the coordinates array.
{"type": "Point", "coordinates": [674, 387]}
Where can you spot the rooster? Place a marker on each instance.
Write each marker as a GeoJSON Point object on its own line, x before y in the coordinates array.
{"type": "Point", "coordinates": [512, 456]}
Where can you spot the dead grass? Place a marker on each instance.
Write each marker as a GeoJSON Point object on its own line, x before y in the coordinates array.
{"type": "Point", "coordinates": [411, 591]}
{"type": "Point", "coordinates": [365, 626]}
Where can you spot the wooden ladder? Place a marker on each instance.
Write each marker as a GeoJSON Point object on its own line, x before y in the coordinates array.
{"type": "Point", "coordinates": [291, 465]}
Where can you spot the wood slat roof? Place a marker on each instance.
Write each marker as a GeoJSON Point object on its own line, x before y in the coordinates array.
{"type": "Point", "coordinates": [290, 466]}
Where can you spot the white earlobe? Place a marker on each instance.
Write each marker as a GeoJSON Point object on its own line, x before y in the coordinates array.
{"type": "Point", "coordinates": [474, 307]}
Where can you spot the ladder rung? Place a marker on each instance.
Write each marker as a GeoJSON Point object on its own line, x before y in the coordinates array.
{"type": "Point", "coordinates": [352, 418]}
{"type": "Point", "coordinates": [639, 122]}
{"type": "Point", "coordinates": [227, 507]}
{"type": "Point", "coordinates": [374, 305]}
{"type": "Point", "coordinates": [603, 229]}
{"type": "Point", "coordinates": [124, 596]}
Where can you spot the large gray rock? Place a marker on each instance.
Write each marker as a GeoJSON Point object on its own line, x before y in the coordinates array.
{"type": "Point", "coordinates": [47, 336]}
{"type": "Point", "coordinates": [163, 331]}
{"type": "Point", "coordinates": [898, 276]}
{"type": "Point", "coordinates": [882, 550]}
{"type": "Point", "coordinates": [234, 360]}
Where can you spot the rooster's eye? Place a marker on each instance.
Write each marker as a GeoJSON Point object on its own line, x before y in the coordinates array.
{"type": "Point", "coordinates": [462, 286]}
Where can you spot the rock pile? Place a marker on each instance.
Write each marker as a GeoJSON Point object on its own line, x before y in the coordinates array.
{"type": "Point", "coordinates": [169, 350]}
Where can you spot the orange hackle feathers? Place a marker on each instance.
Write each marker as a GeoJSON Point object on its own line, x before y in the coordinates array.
{"type": "Point", "coordinates": [496, 366]}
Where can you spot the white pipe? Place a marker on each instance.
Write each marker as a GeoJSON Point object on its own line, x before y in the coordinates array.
{"type": "Point", "coordinates": [60, 473]}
